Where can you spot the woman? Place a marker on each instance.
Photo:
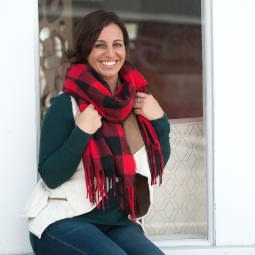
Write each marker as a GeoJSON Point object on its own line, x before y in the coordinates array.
{"type": "Point", "coordinates": [104, 141]}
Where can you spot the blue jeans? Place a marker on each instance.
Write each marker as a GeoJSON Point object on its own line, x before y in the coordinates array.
{"type": "Point", "coordinates": [76, 238]}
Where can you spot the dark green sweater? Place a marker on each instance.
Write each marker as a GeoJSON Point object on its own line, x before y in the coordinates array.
{"type": "Point", "coordinates": [62, 144]}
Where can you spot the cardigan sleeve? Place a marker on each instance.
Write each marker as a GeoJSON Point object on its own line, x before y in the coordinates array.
{"type": "Point", "coordinates": [62, 143]}
{"type": "Point", "coordinates": [162, 129]}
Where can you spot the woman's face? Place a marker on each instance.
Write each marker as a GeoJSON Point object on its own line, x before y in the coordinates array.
{"type": "Point", "coordinates": [109, 53]}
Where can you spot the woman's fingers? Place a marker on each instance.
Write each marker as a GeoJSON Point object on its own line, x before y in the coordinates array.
{"type": "Point", "coordinates": [140, 99]}
{"type": "Point", "coordinates": [78, 109]}
{"type": "Point", "coordinates": [147, 106]}
{"type": "Point", "coordinates": [89, 120]}
{"type": "Point", "coordinates": [91, 106]}
{"type": "Point", "coordinates": [137, 105]}
{"type": "Point", "coordinates": [138, 111]}
{"type": "Point", "coordinates": [141, 95]}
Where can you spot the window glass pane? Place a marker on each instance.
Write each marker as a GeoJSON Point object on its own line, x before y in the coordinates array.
{"type": "Point", "coordinates": [166, 47]}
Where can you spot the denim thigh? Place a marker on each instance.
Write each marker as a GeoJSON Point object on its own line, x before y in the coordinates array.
{"type": "Point", "coordinates": [132, 240]}
{"type": "Point", "coordinates": [76, 238]}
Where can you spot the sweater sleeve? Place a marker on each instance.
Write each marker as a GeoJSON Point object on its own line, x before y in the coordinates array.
{"type": "Point", "coordinates": [62, 143]}
{"type": "Point", "coordinates": [162, 129]}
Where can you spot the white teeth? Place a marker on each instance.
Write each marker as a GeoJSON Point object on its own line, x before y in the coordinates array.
{"type": "Point", "coordinates": [109, 63]}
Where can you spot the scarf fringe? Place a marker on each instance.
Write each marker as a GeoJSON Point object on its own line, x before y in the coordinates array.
{"type": "Point", "coordinates": [97, 189]}
{"type": "Point", "coordinates": [131, 201]}
{"type": "Point", "coordinates": [97, 186]}
{"type": "Point", "coordinates": [153, 149]}
{"type": "Point", "coordinates": [121, 200]}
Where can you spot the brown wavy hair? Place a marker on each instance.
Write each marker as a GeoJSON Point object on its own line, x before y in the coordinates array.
{"type": "Point", "coordinates": [87, 32]}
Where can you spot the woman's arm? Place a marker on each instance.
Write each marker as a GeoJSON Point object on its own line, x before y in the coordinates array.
{"type": "Point", "coordinates": [62, 143]}
{"type": "Point", "coordinates": [162, 129]}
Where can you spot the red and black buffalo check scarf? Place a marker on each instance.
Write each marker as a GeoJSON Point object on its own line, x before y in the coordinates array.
{"type": "Point", "coordinates": [107, 153]}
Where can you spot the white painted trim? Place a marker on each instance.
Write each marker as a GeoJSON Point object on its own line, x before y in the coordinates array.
{"type": "Point", "coordinates": [207, 40]}
{"type": "Point", "coordinates": [229, 250]}
{"type": "Point", "coordinates": [37, 76]}
{"type": "Point", "coordinates": [18, 131]}
{"type": "Point", "coordinates": [234, 122]}
{"type": "Point", "coordinates": [167, 244]}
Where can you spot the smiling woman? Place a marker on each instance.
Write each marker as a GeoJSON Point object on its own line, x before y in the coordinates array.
{"type": "Point", "coordinates": [166, 48]}
{"type": "Point", "coordinates": [99, 168]}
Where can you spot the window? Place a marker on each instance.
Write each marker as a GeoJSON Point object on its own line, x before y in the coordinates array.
{"type": "Point", "coordinates": [166, 47]}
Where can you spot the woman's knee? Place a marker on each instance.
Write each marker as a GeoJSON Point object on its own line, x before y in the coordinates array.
{"type": "Point", "coordinates": [70, 238]}
{"type": "Point", "coordinates": [133, 241]}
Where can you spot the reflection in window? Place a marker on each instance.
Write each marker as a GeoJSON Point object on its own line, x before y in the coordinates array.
{"type": "Point", "coordinates": [166, 48]}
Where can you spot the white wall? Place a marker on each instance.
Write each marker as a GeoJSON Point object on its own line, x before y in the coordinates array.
{"type": "Point", "coordinates": [234, 123]}
{"type": "Point", "coordinates": [234, 138]}
{"type": "Point", "coordinates": [18, 120]}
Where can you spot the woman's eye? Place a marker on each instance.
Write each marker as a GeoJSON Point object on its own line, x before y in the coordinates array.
{"type": "Point", "coordinates": [99, 46]}
{"type": "Point", "coordinates": [118, 44]}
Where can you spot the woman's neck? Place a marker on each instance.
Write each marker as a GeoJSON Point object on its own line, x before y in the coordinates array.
{"type": "Point", "coordinates": [113, 84]}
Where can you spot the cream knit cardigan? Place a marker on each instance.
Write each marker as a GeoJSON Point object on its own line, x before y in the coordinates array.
{"type": "Point", "coordinates": [41, 212]}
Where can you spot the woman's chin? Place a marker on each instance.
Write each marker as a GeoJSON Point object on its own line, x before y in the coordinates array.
{"type": "Point", "coordinates": [109, 75]}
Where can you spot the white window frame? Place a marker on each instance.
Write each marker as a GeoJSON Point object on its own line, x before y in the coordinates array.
{"type": "Point", "coordinates": [37, 76]}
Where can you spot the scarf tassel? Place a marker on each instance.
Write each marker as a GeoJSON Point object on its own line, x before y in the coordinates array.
{"type": "Point", "coordinates": [130, 198]}
{"type": "Point", "coordinates": [153, 149]}
{"type": "Point", "coordinates": [121, 196]}
{"type": "Point", "coordinates": [97, 186]}
{"type": "Point", "coordinates": [131, 201]}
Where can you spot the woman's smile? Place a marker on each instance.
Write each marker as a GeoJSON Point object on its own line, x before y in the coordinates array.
{"type": "Point", "coordinates": [109, 63]}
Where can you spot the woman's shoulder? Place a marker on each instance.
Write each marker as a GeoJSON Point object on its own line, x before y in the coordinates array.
{"type": "Point", "coordinates": [62, 99]}
{"type": "Point", "coordinates": [60, 105]}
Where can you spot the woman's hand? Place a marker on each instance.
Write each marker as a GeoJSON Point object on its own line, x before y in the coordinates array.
{"type": "Point", "coordinates": [147, 106]}
{"type": "Point", "coordinates": [89, 120]}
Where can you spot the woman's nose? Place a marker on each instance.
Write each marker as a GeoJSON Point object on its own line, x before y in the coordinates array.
{"type": "Point", "coordinates": [110, 52]}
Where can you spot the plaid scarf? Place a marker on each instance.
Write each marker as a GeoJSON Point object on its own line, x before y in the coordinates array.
{"type": "Point", "coordinates": [107, 153]}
